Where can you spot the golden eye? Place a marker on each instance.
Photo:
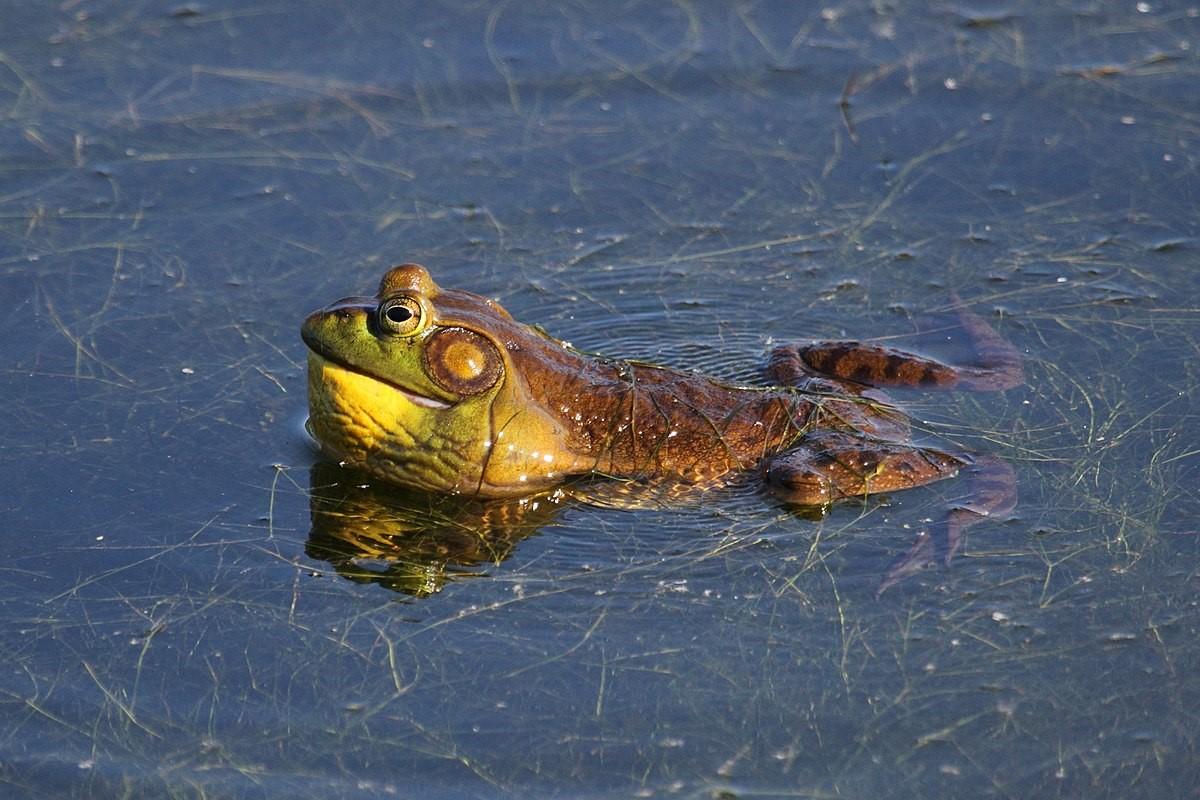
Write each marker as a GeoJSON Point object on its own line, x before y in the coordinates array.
{"type": "Point", "coordinates": [400, 316]}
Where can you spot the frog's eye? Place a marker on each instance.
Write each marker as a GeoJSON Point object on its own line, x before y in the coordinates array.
{"type": "Point", "coordinates": [462, 361]}
{"type": "Point", "coordinates": [400, 315]}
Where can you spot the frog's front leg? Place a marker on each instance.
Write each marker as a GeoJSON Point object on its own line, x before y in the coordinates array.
{"type": "Point", "coordinates": [998, 364]}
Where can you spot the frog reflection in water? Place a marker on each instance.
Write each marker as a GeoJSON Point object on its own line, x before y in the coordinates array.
{"type": "Point", "coordinates": [408, 541]}
{"type": "Point", "coordinates": [442, 390]}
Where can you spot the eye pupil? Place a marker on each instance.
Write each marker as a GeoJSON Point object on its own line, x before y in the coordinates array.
{"type": "Point", "coordinates": [399, 316]}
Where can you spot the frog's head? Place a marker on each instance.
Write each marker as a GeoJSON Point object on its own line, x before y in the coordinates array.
{"type": "Point", "coordinates": [417, 386]}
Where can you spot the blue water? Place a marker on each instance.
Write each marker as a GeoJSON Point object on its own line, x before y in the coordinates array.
{"type": "Point", "coordinates": [688, 183]}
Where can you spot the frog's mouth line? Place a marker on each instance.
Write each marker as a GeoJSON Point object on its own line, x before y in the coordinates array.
{"type": "Point", "coordinates": [408, 394]}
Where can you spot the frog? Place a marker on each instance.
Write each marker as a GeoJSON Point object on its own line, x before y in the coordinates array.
{"type": "Point", "coordinates": [442, 390]}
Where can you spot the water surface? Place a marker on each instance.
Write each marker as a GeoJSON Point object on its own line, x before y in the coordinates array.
{"type": "Point", "coordinates": [194, 606]}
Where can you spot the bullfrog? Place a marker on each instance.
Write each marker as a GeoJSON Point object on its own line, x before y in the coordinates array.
{"type": "Point", "coordinates": [442, 390]}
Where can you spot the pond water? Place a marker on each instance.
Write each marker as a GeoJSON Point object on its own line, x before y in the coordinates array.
{"type": "Point", "coordinates": [195, 606]}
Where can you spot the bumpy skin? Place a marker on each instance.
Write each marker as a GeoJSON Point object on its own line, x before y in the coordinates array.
{"type": "Point", "coordinates": [442, 390]}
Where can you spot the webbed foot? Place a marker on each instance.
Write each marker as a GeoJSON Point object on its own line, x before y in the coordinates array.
{"type": "Point", "coordinates": [991, 491]}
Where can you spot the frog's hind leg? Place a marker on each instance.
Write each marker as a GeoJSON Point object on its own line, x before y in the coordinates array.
{"type": "Point", "coordinates": [991, 491]}
{"type": "Point", "coordinates": [833, 465]}
{"type": "Point", "coordinates": [830, 465]}
{"type": "Point", "coordinates": [997, 367]}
